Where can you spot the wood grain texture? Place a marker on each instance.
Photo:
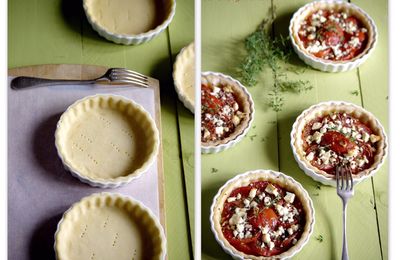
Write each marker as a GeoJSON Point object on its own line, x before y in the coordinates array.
{"type": "Point", "coordinates": [222, 50]}
{"type": "Point", "coordinates": [70, 71]}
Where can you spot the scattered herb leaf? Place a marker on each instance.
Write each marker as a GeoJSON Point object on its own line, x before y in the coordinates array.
{"type": "Point", "coordinates": [252, 137]}
{"type": "Point", "coordinates": [214, 170]}
{"type": "Point", "coordinates": [318, 186]}
{"type": "Point", "coordinates": [355, 93]}
{"type": "Point", "coordinates": [320, 238]}
{"type": "Point", "coordinates": [264, 50]}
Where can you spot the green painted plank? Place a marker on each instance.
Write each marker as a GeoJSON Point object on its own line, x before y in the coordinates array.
{"type": "Point", "coordinates": [43, 31]}
{"type": "Point", "coordinates": [363, 243]}
{"type": "Point", "coordinates": [224, 26]}
{"type": "Point", "coordinates": [153, 58]}
{"type": "Point", "coordinates": [374, 87]}
{"type": "Point", "coordinates": [181, 33]}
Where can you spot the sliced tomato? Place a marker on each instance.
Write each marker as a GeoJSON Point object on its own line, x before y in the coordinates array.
{"type": "Point", "coordinates": [351, 19]}
{"type": "Point", "coordinates": [361, 36]}
{"type": "Point", "coordinates": [331, 33]}
{"type": "Point", "coordinates": [265, 217]}
{"type": "Point", "coordinates": [244, 191]}
{"type": "Point", "coordinates": [244, 245]}
{"type": "Point", "coordinates": [337, 142]}
{"type": "Point", "coordinates": [322, 54]}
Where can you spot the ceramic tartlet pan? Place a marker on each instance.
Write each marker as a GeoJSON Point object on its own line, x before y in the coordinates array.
{"type": "Point", "coordinates": [245, 179]}
{"type": "Point", "coordinates": [183, 75]}
{"type": "Point", "coordinates": [109, 226]}
{"type": "Point", "coordinates": [326, 65]}
{"type": "Point", "coordinates": [244, 99]}
{"type": "Point", "coordinates": [326, 108]}
{"type": "Point", "coordinates": [106, 140]}
{"type": "Point", "coordinates": [129, 22]}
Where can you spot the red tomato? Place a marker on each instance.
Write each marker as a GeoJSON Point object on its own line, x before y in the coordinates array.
{"type": "Point", "coordinates": [322, 54]}
{"type": "Point", "coordinates": [337, 142]}
{"type": "Point", "coordinates": [361, 36]}
{"type": "Point", "coordinates": [351, 19]}
{"type": "Point", "coordinates": [265, 217]}
{"type": "Point", "coordinates": [244, 191]}
{"type": "Point", "coordinates": [244, 245]}
{"type": "Point", "coordinates": [331, 33]}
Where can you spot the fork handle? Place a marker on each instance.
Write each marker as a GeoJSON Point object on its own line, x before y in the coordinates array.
{"type": "Point", "coordinates": [345, 254]}
{"type": "Point", "coordinates": [29, 82]}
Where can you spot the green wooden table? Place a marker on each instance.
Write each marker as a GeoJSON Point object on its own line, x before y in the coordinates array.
{"type": "Point", "coordinates": [225, 23]}
{"type": "Point", "coordinates": [57, 32]}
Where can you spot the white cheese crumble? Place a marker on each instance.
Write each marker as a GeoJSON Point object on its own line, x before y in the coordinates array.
{"type": "Point", "coordinates": [271, 189]}
{"type": "Point", "coordinates": [289, 198]}
{"type": "Point", "coordinates": [252, 193]}
{"type": "Point", "coordinates": [231, 199]}
{"type": "Point", "coordinates": [310, 156]}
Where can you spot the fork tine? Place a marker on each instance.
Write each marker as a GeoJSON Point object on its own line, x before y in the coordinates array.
{"type": "Point", "coordinates": [127, 77]}
{"type": "Point", "coordinates": [337, 177]}
{"type": "Point", "coordinates": [129, 81]}
{"type": "Point", "coordinates": [351, 177]}
{"type": "Point", "coordinates": [129, 72]}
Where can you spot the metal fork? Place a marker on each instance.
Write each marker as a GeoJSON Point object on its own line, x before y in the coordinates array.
{"type": "Point", "coordinates": [345, 190]}
{"type": "Point", "coordinates": [112, 76]}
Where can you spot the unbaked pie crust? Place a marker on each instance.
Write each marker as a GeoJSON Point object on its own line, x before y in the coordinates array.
{"type": "Point", "coordinates": [245, 179]}
{"type": "Point", "coordinates": [109, 226]}
{"type": "Point", "coordinates": [106, 140]}
{"type": "Point", "coordinates": [184, 71]}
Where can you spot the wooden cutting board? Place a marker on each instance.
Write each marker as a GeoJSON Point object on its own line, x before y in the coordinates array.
{"type": "Point", "coordinates": [69, 71]}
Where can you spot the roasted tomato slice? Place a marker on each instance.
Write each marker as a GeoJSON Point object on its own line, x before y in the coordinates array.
{"type": "Point", "coordinates": [323, 53]}
{"type": "Point", "coordinates": [244, 245]}
{"type": "Point", "coordinates": [266, 216]}
{"type": "Point", "coordinates": [337, 142]}
{"type": "Point", "coordinates": [331, 33]}
{"type": "Point", "coordinates": [244, 191]}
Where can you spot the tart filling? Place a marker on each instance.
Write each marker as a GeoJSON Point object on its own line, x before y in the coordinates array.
{"type": "Point", "coordinates": [227, 111]}
{"type": "Point", "coordinates": [220, 112]}
{"type": "Point", "coordinates": [262, 219]}
{"type": "Point", "coordinates": [339, 138]}
{"type": "Point", "coordinates": [262, 214]}
{"type": "Point", "coordinates": [333, 35]}
{"type": "Point", "coordinates": [109, 226]}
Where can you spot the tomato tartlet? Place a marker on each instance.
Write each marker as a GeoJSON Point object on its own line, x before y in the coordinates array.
{"type": "Point", "coordinates": [338, 133]}
{"type": "Point", "coordinates": [226, 112]}
{"type": "Point", "coordinates": [332, 35]}
{"type": "Point", "coordinates": [262, 214]}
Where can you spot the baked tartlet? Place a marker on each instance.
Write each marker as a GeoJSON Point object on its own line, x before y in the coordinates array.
{"type": "Point", "coordinates": [333, 133]}
{"type": "Point", "coordinates": [227, 111]}
{"type": "Point", "coordinates": [332, 36]}
{"type": "Point", "coordinates": [262, 214]}
{"type": "Point", "coordinates": [128, 21]}
{"type": "Point", "coordinates": [183, 75]}
{"type": "Point", "coordinates": [106, 140]}
{"type": "Point", "coordinates": [109, 226]}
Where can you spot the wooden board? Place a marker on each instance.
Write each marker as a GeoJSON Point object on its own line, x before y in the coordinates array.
{"type": "Point", "coordinates": [64, 71]}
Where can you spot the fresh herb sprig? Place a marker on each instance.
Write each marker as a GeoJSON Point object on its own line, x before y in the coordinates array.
{"type": "Point", "coordinates": [263, 50]}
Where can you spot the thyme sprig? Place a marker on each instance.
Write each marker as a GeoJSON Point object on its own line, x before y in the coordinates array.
{"type": "Point", "coordinates": [264, 50]}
